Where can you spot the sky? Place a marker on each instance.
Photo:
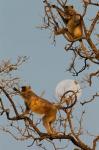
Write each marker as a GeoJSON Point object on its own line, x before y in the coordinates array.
{"type": "Point", "coordinates": [20, 36]}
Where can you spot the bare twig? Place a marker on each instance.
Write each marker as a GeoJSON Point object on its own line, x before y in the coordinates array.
{"type": "Point", "coordinates": [92, 99]}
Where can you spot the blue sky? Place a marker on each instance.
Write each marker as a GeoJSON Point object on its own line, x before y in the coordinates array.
{"type": "Point", "coordinates": [19, 36]}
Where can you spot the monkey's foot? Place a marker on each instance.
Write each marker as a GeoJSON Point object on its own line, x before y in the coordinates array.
{"type": "Point", "coordinates": [57, 133]}
{"type": "Point", "coordinates": [60, 133]}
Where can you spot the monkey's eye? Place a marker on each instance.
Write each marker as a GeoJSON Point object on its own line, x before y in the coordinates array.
{"type": "Point", "coordinates": [72, 6]}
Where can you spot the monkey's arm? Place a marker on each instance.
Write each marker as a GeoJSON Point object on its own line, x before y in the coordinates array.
{"type": "Point", "coordinates": [18, 91]}
{"type": "Point", "coordinates": [27, 108]}
{"type": "Point", "coordinates": [77, 19]}
{"type": "Point", "coordinates": [58, 31]}
{"type": "Point", "coordinates": [62, 14]}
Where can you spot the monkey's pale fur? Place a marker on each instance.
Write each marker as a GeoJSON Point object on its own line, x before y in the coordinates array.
{"type": "Point", "coordinates": [41, 106]}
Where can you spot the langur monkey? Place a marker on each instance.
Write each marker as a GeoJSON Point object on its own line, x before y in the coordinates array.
{"type": "Point", "coordinates": [41, 106]}
{"type": "Point", "coordinates": [74, 25]}
{"type": "Point", "coordinates": [73, 22]}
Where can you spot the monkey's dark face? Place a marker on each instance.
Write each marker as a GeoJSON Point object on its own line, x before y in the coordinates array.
{"type": "Point", "coordinates": [69, 9]}
{"type": "Point", "coordinates": [25, 88]}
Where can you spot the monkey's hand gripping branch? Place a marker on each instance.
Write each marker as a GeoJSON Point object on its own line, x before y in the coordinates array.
{"type": "Point", "coordinates": [15, 89]}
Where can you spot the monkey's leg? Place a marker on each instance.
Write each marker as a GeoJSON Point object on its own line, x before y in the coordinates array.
{"type": "Point", "coordinates": [52, 129]}
{"type": "Point", "coordinates": [47, 125]}
{"type": "Point", "coordinates": [48, 120]}
{"type": "Point", "coordinates": [69, 36]}
{"type": "Point", "coordinates": [65, 32]}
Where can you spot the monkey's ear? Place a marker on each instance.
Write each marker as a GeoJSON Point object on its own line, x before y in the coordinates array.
{"type": "Point", "coordinates": [29, 87]}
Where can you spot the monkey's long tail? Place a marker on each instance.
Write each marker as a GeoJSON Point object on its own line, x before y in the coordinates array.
{"type": "Point", "coordinates": [64, 100]}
